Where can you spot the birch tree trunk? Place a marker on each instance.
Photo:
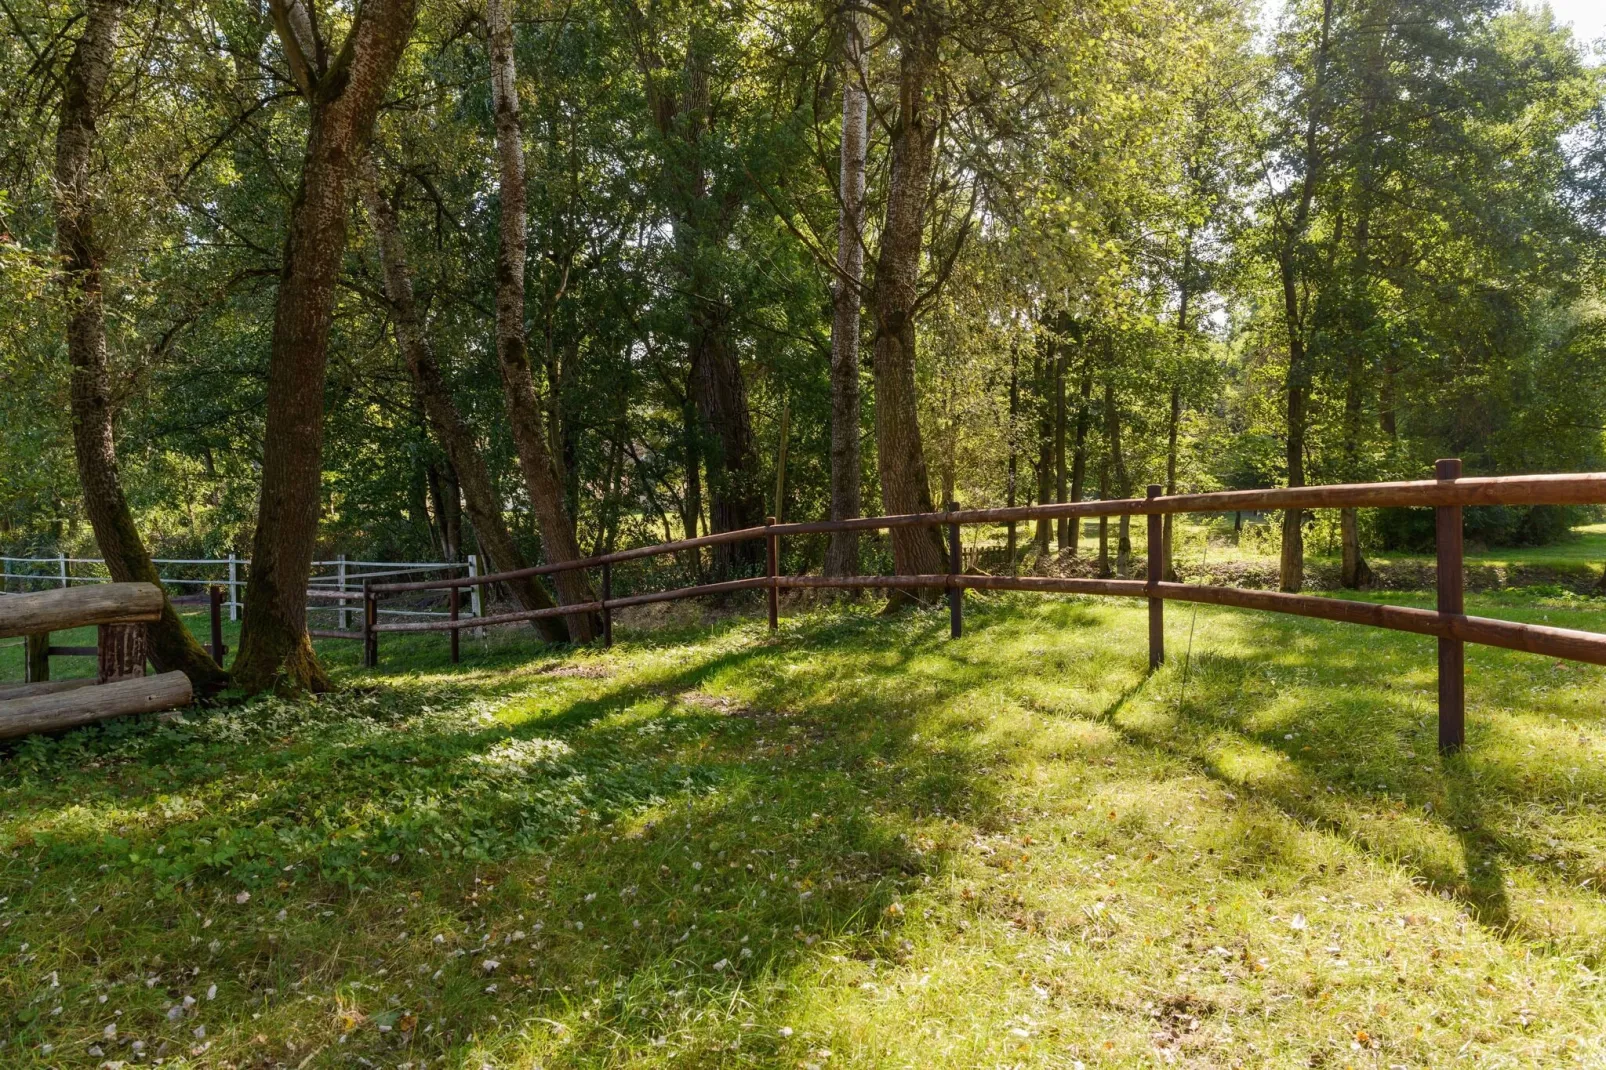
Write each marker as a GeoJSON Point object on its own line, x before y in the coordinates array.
{"type": "Point", "coordinates": [343, 94]}
{"type": "Point", "coordinates": [842, 556]}
{"type": "Point", "coordinates": [558, 539]}
{"type": "Point", "coordinates": [445, 419]}
{"type": "Point", "coordinates": [170, 644]}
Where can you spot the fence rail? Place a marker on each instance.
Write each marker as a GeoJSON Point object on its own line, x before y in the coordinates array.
{"type": "Point", "coordinates": [1448, 494]}
{"type": "Point", "coordinates": [341, 578]}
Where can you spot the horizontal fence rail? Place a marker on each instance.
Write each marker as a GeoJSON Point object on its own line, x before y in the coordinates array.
{"type": "Point", "coordinates": [338, 580]}
{"type": "Point", "coordinates": [1448, 494]}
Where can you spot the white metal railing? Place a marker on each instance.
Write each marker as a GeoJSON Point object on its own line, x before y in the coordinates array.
{"type": "Point", "coordinates": [342, 574]}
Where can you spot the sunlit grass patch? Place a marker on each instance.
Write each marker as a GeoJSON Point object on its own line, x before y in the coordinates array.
{"type": "Point", "coordinates": [853, 843]}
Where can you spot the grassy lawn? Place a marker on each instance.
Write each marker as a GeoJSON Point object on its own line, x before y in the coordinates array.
{"type": "Point", "coordinates": [856, 843]}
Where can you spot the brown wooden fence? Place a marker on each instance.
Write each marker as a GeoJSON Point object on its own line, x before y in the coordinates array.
{"type": "Point", "coordinates": [1448, 494]}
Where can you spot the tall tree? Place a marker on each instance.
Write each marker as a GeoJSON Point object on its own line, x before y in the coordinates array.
{"type": "Point", "coordinates": [445, 419]}
{"type": "Point", "coordinates": [842, 557]}
{"type": "Point", "coordinates": [900, 452]}
{"type": "Point", "coordinates": [558, 539]}
{"type": "Point", "coordinates": [342, 89]}
{"type": "Point", "coordinates": [170, 643]}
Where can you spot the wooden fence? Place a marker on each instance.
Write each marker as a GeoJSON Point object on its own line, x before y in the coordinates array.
{"type": "Point", "coordinates": [1447, 493]}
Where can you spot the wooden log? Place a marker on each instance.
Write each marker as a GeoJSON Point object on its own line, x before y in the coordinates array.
{"type": "Point", "coordinates": [81, 706]}
{"type": "Point", "coordinates": [76, 607]}
{"type": "Point", "coordinates": [121, 652]}
{"type": "Point", "coordinates": [48, 687]}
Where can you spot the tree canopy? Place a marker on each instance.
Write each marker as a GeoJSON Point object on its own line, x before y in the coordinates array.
{"type": "Point", "coordinates": [584, 265]}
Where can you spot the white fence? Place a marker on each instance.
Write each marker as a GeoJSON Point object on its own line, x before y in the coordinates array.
{"type": "Point", "coordinates": [342, 574]}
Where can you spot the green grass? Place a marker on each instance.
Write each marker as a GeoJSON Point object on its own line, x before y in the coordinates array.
{"type": "Point", "coordinates": [855, 843]}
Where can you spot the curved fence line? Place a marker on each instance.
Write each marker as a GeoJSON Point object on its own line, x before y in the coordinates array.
{"type": "Point", "coordinates": [1447, 494]}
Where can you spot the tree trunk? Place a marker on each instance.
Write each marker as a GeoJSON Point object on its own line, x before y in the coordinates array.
{"type": "Point", "coordinates": [1060, 474]}
{"type": "Point", "coordinates": [1104, 521]}
{"type": "Point", "coordinates": [901, 458]}
{"type": "Point", "coordinates": [1012, 475]}
{"type": "Point", "coordinates": [1173, 424]}
{"type": "Point", "coordinates": [1355, 573]}
{"type": "Point", "coordinates": [1291, 571]}
{"type": "Point", "coordinates": [1123, 486]}
{"type": "Point", "coordinates": [445, 419]}
{"type": "Point", "coordinates": [1042, 375]}
{"type": "Point", "coordinates": [1084, 417]}
{"type": "Point", "coordinates": [541, 479]}
{"type": "Point", "coordinates": [1168, 570]}
{"type": "Point", "coordinates": [171, 646]}
{"type": "Point", "coordinates": [342, 99]}
{"type": "Point", "coordinates": [842, 556]}
{"type": "Point", "coordinates": [735, 496]}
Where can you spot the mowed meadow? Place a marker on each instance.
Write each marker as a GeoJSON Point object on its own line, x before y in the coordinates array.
{"type": "Point", "coordinates": [852, 843]}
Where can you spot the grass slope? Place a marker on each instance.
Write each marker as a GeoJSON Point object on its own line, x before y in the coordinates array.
{"type": "Point", "coordinates": [853, 844]}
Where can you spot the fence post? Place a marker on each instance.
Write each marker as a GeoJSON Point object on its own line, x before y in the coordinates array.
{"type": "Point", "coordinates": [474, 592]}
{"type": "Point", "coordinates": [773, 559]}
{"type": "Point", "coordinates": [370, 616]}
{"type": "Point", "coordinates": [956, 594]}
{"type": "Point", "coordinates": [215, 597]}
{"type": "Point", "coordinates": [234, 587]}
{"type": "Point", "coordinates": [455, 601]}
{"type": "Point", "coordinates": [1452, 652]}
{"type": "Point", "coordinates": [340, 575]}
{"type": "Point", "coordinates": [607, 595]}
{"type": "Point", "coordinates": [1154, 567]}
{"type": "Point", "coordinates": [63, 559]}
{"type": "Point", "coordinates": [36, 667]}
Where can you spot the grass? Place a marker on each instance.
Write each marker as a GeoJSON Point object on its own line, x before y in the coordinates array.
{"type": "Point", "coordinates": [1583, 553]}
{"type": "Point", "coordinates": [855, 843]}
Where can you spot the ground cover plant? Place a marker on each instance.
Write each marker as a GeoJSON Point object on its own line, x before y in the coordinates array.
{"type": "Point", "coordinates": [855, 843]}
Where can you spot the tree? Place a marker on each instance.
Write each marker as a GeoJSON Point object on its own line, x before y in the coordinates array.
{"type": "Point", "coordinates": [171, 645]}
{"type": "Point", "coordinates": [842, 558]}
{"type": "Point", "coordinates": [518, 387]}
{"type": "Point", "coordinates": [445, 419]}
{"type": "Point", "coordinates": [342, 90]}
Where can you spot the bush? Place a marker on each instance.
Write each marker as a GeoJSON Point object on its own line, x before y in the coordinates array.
{"type": "Point", "coordinates": [1411, 530]}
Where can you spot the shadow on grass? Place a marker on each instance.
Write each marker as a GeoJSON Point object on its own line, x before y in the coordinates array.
{"type": "Point", "coordinates": [1340, 735]}
{"type": "Point", "coordinates": [662, 844]}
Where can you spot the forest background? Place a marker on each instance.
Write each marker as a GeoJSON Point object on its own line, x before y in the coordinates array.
{"type": "Point", "coordinates": [547, 278]}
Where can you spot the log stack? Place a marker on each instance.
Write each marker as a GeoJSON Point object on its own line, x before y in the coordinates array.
{"type": "Point", "coordinates": [120, 611]}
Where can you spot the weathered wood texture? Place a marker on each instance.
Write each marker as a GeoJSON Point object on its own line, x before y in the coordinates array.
{"type": "Point", "coordinates": [47, 687]}
{"type": "Point", "coordinates": [121, 652]}
{"type": "Point", "coordinates": [76, 607]}
{"type": "Point", "coordinates": [85, 705]}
